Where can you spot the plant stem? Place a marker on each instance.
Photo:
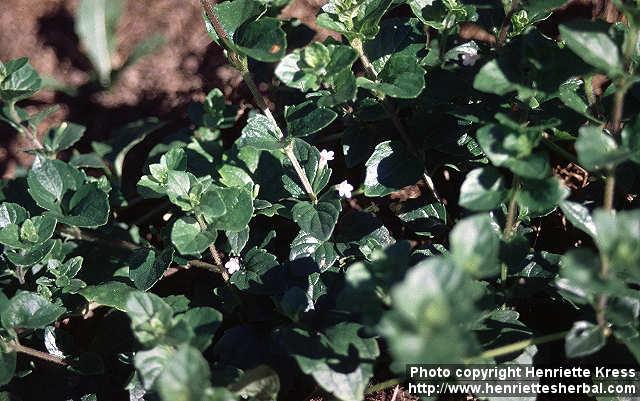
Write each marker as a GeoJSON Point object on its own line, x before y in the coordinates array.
{"type": "Point", "coordinates": [506, 23]}
{"type": "Point", "coordinates": [492, 353]}
{"type": "Point", "coordinates": [214, 251]}
{"type": "Point", "coordinates": [383, 385]}
{"type": "Point", "coordinates": [288, 150]}
{"type": "Point", "coordinates": [509, 226]}
{"type": "Point", "coordinates": [559, 150]}
{"type": "Point", "coordinates": [512, 211]}
{"type": "Point", "coordinates": [618, 108]}
{"type": "Point", "coordinates": [15, 345]}
{"type": "Point", "coordinates": [609, 190]}
{"type": "Point", "coordinates": [240, 63]}
{"type": "Point", "coordinates": [517, 346]}
{"type": "Point", "coordinates": [26, 131]}
{"type": "Point", "coordinates": [393, 114]}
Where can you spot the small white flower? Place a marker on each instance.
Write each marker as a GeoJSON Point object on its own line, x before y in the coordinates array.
{"type": "Point", "coordinates": [326, 156]}
{"type": "Point", "coordinates": [344, 189]}
{"type": "Point", "coordinates": [233, 265]}
{"type": "Point", "coordinates": [470, 56]}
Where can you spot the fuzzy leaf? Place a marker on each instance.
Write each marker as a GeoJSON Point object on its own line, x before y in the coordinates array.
{"type": "Point", "coordinates": [591, 41]}
{"type": "Point", "coordinates": [318, 220]}
{"type": "Point", "coordinates": [483, 190]}
{"type": "Point", "coordinates": [28, 310]}
{"type": "Point", "coordinates": [390, 168]}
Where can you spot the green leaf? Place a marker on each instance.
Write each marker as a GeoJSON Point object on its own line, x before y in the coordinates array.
{"type": "Point", "coordinates": [150, 364]}
{"type": "Point", "coordinates": [150, 317]}
{"type": "Point", "coordinates": [28, 310]}
{"type": "Point", "coordinates": [260, 133]}
{"type": "Point", "coordinates": [402, 77]}
{"type": "Point", "coordinates": [318, 220]}
{"type": "Point", "coordinates": [354, 19]}
{"type": "Point", "coordinates": [20, 80]}
{"type": "Point", "coordinates": [49, 180]}
{"type": "Point", "coordinates": [204, 322]}
{"type": "Point", "coordinates": [580, 269]}
{"type": "Point", "coordinates": [290, 72]}
{"type": "Point", "coordinates": [591, 41]}
{"type": "Point", "coordinates": [146, 267]}
{"type": "Point", "coordinates": [498, 78]}
{"type": "Point", "coordinates": [339, 358]}
{"type": "Point", "coordinates": [185, 376]}
{"type": "Point", "coordinates": [390, 168]}
{"type": "Point", "coordinates": [189, 238]}
{"type": "Point", "coordinates": [540, 9]}
{"type": "Point", "coordinates": [12, 213]}
{"type": "Point", "coordinates": [579, 216]}
{"type": "Point", "coordinates": [88, 207]}
{"type": "Point", "coordinates": [475, 246]}
{"type": "Point", "coordinates": [305, 245]}
{"type": "Point", "coordinates": [343, 89]}
{"type": "Point", "coordinates": [212, 205]}
{"type": "Point", "coordinates": [597, 150]}
{"type": "Point", "coordinates": [568, 94]}
{"type": "Point", "coordinates": [397, 36]}
{"type": "Point", "coordinates": [31, 256]}
{"type": "Point", "coordinates": [584, 339]}
{"type": "Point", "coordinates": [260, 273]}
{"type": "Point", "coordinates": [631, 139]}
{"type": "Point", "coordinates": [618, 237]}
{"type": "Point", "coordinates": [238, 240]}
{"type": "Point", "coordinates": [96, 23]}
{"type": "Point", "coordinates": [260, 383]}
{"type": "Point", "coordinates": [424, 219]}
{"type": "Point", "coordinates": [483, 190]}
{"type": "Point", "coordinates": [63, 137]}
{"type": "Point", "coordinates": [263, 40]}
{"type": "Point", "coordinates": [86, 160]}
{"type": "Point", "coordinates": [541, 195]}
{"type": "Point", "coordinates": [232, 15]}
{"type": "Point", "coordinates": [113, 294]}
{"type": "Point", "coordinates": [317, 173]}
{"type": "Point", "coordinates": [498, 142]}
{"type": "Point", "coordinates": [238, 204]}
{"type": "Point", "coordinates": [431, 13]}
{"type": "Point", "coordinates": [61, 189]}
{"type": "Point", "coordinates": [425, 327]}
{"type": "Point", "coordinates": [307, 118]}
{"type": "Point", "coordinates": [30, 232]}
{"type": "Point", "coordinates": [7, 364]}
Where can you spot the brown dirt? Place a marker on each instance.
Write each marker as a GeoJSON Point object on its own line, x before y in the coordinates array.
{"type": "Point", "coordinates": [162, 84]}
{"type": "Point", "coordinates": [159, 85]}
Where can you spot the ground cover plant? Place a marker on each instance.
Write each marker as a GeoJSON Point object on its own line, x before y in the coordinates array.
{"type": "Point", "coordinates": [441, 181]}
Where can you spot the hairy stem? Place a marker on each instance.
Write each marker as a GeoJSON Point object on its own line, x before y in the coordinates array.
{"type": "Point", "coordinates": [492, 353]}
{"type": "Point", "coordinates": [512, 211]}
{"type": "Point", "coordinates": [618, 108]}
{"type": "Point", "coordinates": [383, 385]}
{"type": "Point", "coordinates": [214, 252]}
{"type": "Point", "coordinates": [288, 150]}
{"type": "Point", "coordinates": [16, 346]}
{"type": "Point", "coordinates": [609, 190]}
{"type": "Point", "coordinates": [518, 346]}
{"type": "Point", "coordinates": [393, 114]}
{"type": "Point", "coordinates": [559, 150]}
{"type": "Point", "coordinates": [26, 131]}
{"type": "Point", "coordinates": [509, 226]}
{"type": "Point", "coordinates": [506, 23]}
{"type": "Point", "coordinates": [240, 63]}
